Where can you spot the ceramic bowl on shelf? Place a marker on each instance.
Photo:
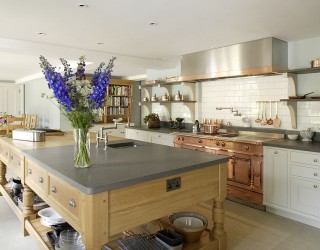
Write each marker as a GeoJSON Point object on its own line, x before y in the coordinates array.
{"type": "Point", "coordinates": [293, 137]}
{"type": "Point", "coordinates": [190, 224]}
{"type": "Point", "coordinates": [50, 217]}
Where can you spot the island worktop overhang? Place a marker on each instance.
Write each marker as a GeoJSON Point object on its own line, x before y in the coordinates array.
{"type": "Point", "coordinates": [120, 167]}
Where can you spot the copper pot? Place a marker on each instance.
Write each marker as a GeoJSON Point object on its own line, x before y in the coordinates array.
{"type": "Point", "coordinates": [211, 128]}
{"type": "Point", "coordinates": [315, 63]}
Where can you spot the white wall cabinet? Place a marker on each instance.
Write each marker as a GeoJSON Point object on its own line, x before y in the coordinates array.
{"type": "Point", "coordinates": [292, 184]}
{"type": "Point", "coordinates": [12, 99]}
{"type": "Point", "coordinates": [276, 176]}
{"type": "Point", "coordinates": [147, 136]}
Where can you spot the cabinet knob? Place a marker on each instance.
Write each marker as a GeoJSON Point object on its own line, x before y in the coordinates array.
{"type": "Point", "coordinates": [182, 138]}
{"type": "Point", "coordinates": [11, 157]}
{"type": "Point", "coordinates": [29, 171]}
{"type": "Point", "coordinates": [6, 153]}
{"type": "Point", "coordinates": [178, 138]}
{"type": "Point", "coordinates": [53, 189]}
{"type": "Point", "coordinates": [72, 203]}
{"type": "Point", "coordinates": [200, 141]}
{"type": "Point", "coordinates": [275, 152]}
{"type": "Point", "coordinates": [315, 186]}
{"type": "Point", "coordinates": [315, 174]}
{"type": "Point", "coordinates": [217, 143]}
{"type": "Point", "coordinates": [247, 148]}
{"type": "Point", "coordinates": [18, 163]}
{"type": "Point", "coordinates": [315, 160]}
{"type": "Point", "coordinates": [40, 179]}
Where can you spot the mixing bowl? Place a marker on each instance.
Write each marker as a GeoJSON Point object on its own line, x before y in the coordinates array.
{"type": "Point", "coordinates": [190, 224]}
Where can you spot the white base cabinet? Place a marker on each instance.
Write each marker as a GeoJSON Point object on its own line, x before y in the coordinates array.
{"type": "Point", "coordinates": [147, 136]}
{"type": "Point", "coordinates": [292, 184]}
{"type": "Point", "coordinates": [276, 176]}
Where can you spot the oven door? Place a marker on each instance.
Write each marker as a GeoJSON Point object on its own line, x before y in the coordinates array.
{"type": "Point", "coordinates": [244, 170]}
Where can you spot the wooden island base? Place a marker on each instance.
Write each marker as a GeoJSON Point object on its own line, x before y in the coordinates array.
{"type": "Point", "coordinates": [102, 216]}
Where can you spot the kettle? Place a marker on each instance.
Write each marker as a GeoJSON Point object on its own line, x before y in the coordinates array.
{"type": "Point", "coordinates": [196, 127]}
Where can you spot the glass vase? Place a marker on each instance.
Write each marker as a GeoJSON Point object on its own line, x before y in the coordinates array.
{"type": "Point", "coordinates": [81, 148]}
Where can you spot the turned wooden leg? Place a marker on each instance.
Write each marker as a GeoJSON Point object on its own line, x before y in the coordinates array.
{"type": "Point", "coordinates": [218, 231]}
{"type": "Point", "coordinates": [3, 171]}
{"type": "Point", "coordinates": [28, 200]}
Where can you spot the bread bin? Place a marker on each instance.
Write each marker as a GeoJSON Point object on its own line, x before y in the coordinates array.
{"type": "Point", "coordinates": [28, 135]}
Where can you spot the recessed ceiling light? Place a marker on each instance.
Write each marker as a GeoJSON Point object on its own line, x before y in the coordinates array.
{"type": "Point", "coordinates": [100, 43]}
{"type": "Point", "coordinates": [82, 5]}
{"type": "Point", "coordinates": [42, 33]}
{"type": "Point", "coordinates": [153, 23]}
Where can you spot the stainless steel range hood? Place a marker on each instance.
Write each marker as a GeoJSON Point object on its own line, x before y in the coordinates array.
{"type": "Point", "coordinates": [259, 57]}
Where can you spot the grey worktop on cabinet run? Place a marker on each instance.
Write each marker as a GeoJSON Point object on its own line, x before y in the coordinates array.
{"type": "Point", "coordinates": [312, 146]}
{"type": "Point", "coordinates": [119, 167]}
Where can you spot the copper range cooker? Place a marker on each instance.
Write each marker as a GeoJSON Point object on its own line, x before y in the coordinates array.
{"type": "Point", "coordinates": [245, 164]}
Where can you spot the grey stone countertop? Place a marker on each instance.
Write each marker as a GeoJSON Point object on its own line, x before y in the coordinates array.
{"type": "Point", "coordinates": [159, 130]}
{"type": "Point", "coordinates": [119, 167]}
{"type": "Point", "coordinates": [312, 146]}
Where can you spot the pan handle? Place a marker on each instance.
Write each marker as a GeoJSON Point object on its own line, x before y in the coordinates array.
{"type": "Point", "coordinates": [307, 94]}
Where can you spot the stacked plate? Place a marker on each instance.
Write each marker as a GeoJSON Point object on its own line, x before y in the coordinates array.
{"type": "Point", "coordinates": [50, 217]}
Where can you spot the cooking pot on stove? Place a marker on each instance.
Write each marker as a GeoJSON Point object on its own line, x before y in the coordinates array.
{"type": "Point", "coordinates": [211, 128]}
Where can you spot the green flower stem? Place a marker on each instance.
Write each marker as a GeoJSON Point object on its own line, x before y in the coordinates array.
{"type": "Point", "coordinates": [82, 154]}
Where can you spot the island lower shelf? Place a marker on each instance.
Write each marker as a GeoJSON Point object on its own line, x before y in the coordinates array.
{"type": "Point", "coordinates": [38, 231]}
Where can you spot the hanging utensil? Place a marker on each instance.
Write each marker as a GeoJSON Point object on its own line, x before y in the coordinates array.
{"type": "Point", "coordinates": [258, 120]}
{"type": "Point", "coordinates": [263, 115]}
{"type": "Point", "coordinates": [270, 121]}
{"type": "Point", "coordinates": [276, 121]}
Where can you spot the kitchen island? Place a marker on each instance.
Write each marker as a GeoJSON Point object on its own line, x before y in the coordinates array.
{"type": "Point", "coordinates": [123, 188]}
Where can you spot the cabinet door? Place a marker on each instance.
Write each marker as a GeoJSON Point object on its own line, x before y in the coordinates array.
{"type": "Point", "coordinates": [135, 134]}
{"type": "Point", "coordinates": [119, 132]}
{"type": "Point", "coordinates": [276, 176]}
{"type": "Point", "coordinates": [305, 196]}
{"type": "Point", "coordinates": [160, 138]}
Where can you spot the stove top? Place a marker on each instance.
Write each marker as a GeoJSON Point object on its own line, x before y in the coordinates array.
{"type": "Point", "coordinates": [250, 138]}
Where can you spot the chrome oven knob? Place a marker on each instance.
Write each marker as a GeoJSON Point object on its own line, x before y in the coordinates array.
{"type": "Point", "coordinates": [223, 144]}
{"type": "Point", "coordinates": [218, 143]}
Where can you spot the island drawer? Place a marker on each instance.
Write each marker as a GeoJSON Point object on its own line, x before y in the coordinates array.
{"type": "Point", "coordinates": [4, 153]}
{"type": "Point", "coordinates": [65, 196]}
{"type": "Point", "coordinates": [15, 160]}
{"type": "Point", "coordinates": [36, 178]}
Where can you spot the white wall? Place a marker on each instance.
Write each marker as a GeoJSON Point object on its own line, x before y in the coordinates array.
{"type": "Point", "coordinates": [243, 94]}
{"type": "Point", "coordinates": [48, 113]}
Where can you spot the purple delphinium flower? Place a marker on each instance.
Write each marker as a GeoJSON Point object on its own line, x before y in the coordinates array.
{"type": "Point", "coordinates": [56, 83]}
{"type": "Point", "coordinates": [100, 82]}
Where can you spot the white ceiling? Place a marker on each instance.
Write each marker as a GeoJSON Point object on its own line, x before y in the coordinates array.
{"type": "Point", "coordinates": [184, 26]}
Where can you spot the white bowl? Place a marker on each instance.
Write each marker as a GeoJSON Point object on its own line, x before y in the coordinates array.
{"type": "Point", "coordinates": [50, 215]}
{"type": "Point", "coordinates": [293, 137]}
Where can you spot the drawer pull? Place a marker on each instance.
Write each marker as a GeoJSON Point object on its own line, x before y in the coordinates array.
{"type": "Point", "coordinates": [18, 163]}
{"type": "Point", "coordinates": [315, 160]}
{"type": "Point", "coordinates": [72, 203]}
{"type": "Point", "coordinates": [315, 174]}
{"type": "Point", "coordinates": [275, 152]}
{"type": "Point", "coordinates": [29, 171]}
{"type": "Point", "coordinates": [315, 186]}
{"type": "Point", "coordinates": [53, 189]}
{"type": "Point", "coordinates": [11, 157]}
{"type": "Point", "coordinates": [40, 179]}
{"type": "Point", "coordinates": [6, 153]}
